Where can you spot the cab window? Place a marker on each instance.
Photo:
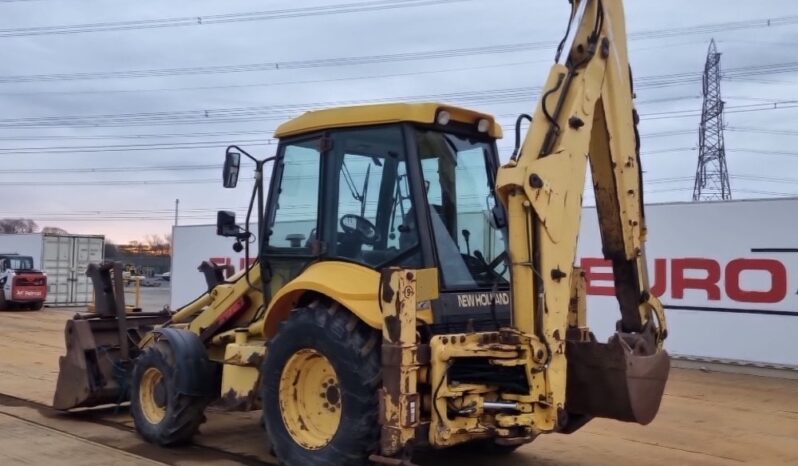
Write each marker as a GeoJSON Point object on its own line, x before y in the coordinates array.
{"type": "Point", "coordinates": [293, 221]}
{"type": "Point", "coordinates": [373, 221]}
{"type": "Point", "coordinates": [470, 248]}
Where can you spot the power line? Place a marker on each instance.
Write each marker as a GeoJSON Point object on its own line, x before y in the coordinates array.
{"type": "Point", "coordinates": [274, 66]}
{"type": "Point", "coordinates": [317, 10]}
{"type": "Point", "coordinates": [128, 147]}
{"type": "Point", "coordinates": [59, 137]}
{"type": "Point", "coordinates": [169, 218]}
{"type": "Point", "coordinates": [227, 134]}
{"type": "Point", "coordinates": [777, 105]}
{"type": "Point", "coordinates": [285, 111]}
{"type": "Point", "coordinates": [117, 211]}
{"type": "Point", "coordinates": [114, 182]}
{"type": "Point", "coordinates": [401, 57]}
{"type": "Point", "coordinates": [290, 82]}
{"type": "Point", "coordinates": [686, 179]}
{"type": "Point", "coordinates": [775, 132]}
{"type": "Point", "coordinates": [103, 182]}
{"type": "Point", "coordinates": [765, 152]}
{"type": "Point", "coordinates": [741, 190]}
{"type": "Point", "coordinates": [766, 179]}
{"type": "Point", "coordinates": [89, 170]}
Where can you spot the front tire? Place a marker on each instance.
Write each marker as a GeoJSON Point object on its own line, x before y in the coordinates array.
{"type": "Point", "coordinates": [161, 414]}
{"type": "Point", "coordinates": [320, 383]}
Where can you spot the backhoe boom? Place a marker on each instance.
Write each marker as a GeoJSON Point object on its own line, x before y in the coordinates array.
{"type": "Point", "coordinates": [586, 115]}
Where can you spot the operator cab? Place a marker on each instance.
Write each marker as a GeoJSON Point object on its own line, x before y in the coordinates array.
{"type": "Point", "coordinates": [406, 185]}
{"type": "Point", "coordinates": [15, 262]}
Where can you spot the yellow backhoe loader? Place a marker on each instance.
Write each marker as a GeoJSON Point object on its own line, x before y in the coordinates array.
{"type": "Point", "coordinates": [408, 290]}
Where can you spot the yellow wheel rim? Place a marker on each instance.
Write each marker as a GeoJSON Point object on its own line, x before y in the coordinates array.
{"type": "Point", "coordinates": [310, 399]}
{"type": "Point", "coordinates": [152, 395]}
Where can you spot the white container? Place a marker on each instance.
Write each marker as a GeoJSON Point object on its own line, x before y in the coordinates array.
{"type": "Point", "coordinates": [64, 258]}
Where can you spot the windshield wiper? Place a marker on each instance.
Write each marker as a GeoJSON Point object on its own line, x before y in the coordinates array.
{"type": "Point", "coordinates": [350, 183]}
{"type": "Point", "coordinates": [365, 191]}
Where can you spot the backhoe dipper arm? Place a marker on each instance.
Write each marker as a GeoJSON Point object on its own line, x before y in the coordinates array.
{"type": "Point", "coordinates": [585, 114]}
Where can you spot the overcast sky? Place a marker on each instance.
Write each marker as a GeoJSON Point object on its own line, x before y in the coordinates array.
{"type": "Point", "coordinates": [69, 103]}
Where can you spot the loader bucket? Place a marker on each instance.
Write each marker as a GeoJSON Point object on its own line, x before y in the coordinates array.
{"type": "Point", "coordinates": [93, 371]}
{"type": "Point", "coordinates": [623, 379]}
{"type": "Point", "coordinates": [100, 346]}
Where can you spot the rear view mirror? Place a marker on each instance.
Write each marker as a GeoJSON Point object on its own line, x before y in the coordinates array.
{"type": "Point", "coordinates": [226, 223]}
{"type": "Point", "coordinates": [232, 162]}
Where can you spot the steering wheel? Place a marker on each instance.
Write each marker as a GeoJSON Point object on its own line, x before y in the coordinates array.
{"type": "Point", "coordinates": [360, 228]}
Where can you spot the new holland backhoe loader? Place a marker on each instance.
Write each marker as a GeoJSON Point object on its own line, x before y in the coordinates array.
{"type": "Point", "coordinates": [408, 291]}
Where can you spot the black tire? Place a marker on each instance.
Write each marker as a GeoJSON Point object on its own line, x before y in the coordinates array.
{"type": "Point", "coordinates": [37, 306]}
{"type": "Point", "coordinates": [184, 413]}
{"type": "Point", "coordinates": [353, 349]}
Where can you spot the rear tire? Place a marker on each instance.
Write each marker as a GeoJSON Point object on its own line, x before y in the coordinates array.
{"type": "Point", "coordinates": [161, 414]}
{"type": "Point", "coordinates": [37, 306]}
{"type": "Point", "coordinates": [334, 423]}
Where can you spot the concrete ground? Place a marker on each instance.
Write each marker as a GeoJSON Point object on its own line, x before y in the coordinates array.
{"type": "Point", "coordinates": [707, 418]}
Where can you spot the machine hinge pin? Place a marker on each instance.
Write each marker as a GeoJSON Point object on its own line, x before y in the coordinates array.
{"type": "Point", "coordinates": [575, 122]}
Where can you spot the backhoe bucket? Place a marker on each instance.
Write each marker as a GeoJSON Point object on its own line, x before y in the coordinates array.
{"type": "Point", "coordinates": [100, 346]}
{"type": "Point", "coordinates": [623, 379]}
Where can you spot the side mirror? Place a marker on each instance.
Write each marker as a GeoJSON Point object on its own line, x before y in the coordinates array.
{"type": "Point", "coordinates": [226, 224]}
{"type": "Point", "coordinates": [232, 163]}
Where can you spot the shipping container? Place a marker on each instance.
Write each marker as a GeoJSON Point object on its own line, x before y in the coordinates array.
{"type": "Point", "coordinates": [64, 258]}
{"type": "Point", "coordinates": [727, 273]}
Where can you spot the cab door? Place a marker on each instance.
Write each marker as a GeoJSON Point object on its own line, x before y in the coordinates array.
{"type": "Point", "coordinates": [368, 215]}
{"type": "Point", "coordinates": [292, 214]}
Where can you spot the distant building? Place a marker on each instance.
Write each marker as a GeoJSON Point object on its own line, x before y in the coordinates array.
{"type": "Point", "coordinates": [144, 259]}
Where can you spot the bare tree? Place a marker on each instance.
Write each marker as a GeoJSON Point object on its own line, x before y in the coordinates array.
{"type": "Point", "coordinates": [152, 240]}
{"type": "Point", "coordinates": [136, 247]}
{"type": "Point", "coordinates": [54, 231]}
{"type": "Point", "coordinates": [159, 245]}
{"type": "Point", "coordinates": [18, 225]}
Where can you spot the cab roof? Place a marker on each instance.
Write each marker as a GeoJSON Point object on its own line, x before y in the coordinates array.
{"type": "Point", "coordinates": [376, 114]}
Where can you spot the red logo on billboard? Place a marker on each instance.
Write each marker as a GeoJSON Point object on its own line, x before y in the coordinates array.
{"type": "Point", "coordinates": [224, 261]}
{"type": "Point", "coordinates": [700, 274]}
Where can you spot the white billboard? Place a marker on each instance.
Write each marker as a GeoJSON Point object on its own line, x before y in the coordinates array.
{"type": "Point", "coordinates": [193, 244]}
{"type": "Point", "coordinates": [724, 270]}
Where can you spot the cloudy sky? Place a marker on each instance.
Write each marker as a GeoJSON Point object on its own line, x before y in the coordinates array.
{"type": "Point", "coordinates": [109, 111]}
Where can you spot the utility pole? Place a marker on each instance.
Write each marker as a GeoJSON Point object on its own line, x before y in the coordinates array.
{"type": "Point", "coordinates": [712, 176]}
{"type": "Point", "coordinates": [177, 207]}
